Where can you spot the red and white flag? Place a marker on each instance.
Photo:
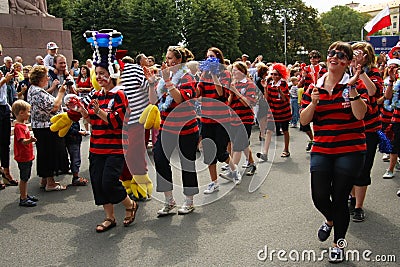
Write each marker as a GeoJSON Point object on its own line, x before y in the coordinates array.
{"type": "Point", "coordinates": [379, 22]}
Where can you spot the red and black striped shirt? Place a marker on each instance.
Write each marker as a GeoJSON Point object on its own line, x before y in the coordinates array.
{"type": "Point", "coordinates": [109, 137]}
{"type": "Point", "coordinates": [214, 108]}
{"type": "Point", "coordinates": [336, 130]}
{"type": "Point", "coordinates": [279, 106]}
{"type": "Point", "coordinates": [181, 118]}
{"type": "Point", "coordinates": [371, 120]}
{"type": "Point", "coordinates": [313, 73]}
{"type": "Point", "coordinates": [245, 113]}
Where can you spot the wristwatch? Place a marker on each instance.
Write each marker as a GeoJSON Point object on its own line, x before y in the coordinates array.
{"type": "Point", "coordinates": [354, 98]}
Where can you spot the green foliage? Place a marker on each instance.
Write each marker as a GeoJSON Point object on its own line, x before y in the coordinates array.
{"type": "Point", "coordinates": [236, 27]}
{"type": "Point", "coordinates": [343, 24]}
{"type": "Point", "coordinates": [211, 23]}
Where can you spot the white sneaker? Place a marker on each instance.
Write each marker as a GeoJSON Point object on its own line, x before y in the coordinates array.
{"type": "Point", "coordinates": [186, 209]}
{"type": "Point", "coordinates": [386, 157]}
{"type": "Point", "coordinates": [246, 164]}
{"type": "Point", "coordinates": [167, 209]}
{"type": "Point", "coordinates": [237, 177]}
{"type": "Point", "coordinates": [228, 175]}
{"type": "Point", "coordinates": [388, 175]}
{"type": "Point", "coordinates": [211, 188]}
{"type": "Point", "coordinates": [225, 167]}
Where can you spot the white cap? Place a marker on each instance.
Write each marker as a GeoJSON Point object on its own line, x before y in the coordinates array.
{"type": "Point", "coordinates": [393, 61]}
{"type": "Point", "coordinates": [52, 45]}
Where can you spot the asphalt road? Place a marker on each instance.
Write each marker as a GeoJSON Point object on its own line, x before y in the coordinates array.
{"type": "Point", "coordinates": [268, 220]}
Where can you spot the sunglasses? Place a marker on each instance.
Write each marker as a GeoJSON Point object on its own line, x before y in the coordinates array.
{"type": "Point", "coordinates": [396, 53]}
{"type": "Point", "coordinates": [339, 54]}
{"type": "Point", "coordinates": [274, 74]}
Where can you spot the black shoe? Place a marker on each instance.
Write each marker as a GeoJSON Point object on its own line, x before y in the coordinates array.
{"type": "Point", "coordinates": [27, 203]}
{"type": "Point", "coordinates": [252, 170]}
{"type": "Point", "coordinates": [309, 146]}
{"type": "Point", "coordinates": [336, 255]}
{"type": "Point", "coordinates": [359, 215]}
{"type": "Point", "coordinates": [352, 205]}
{"type": "Point", "coordinates": [262, 156]}
{"type": "Point", "coordinates": [33, 198]}
{"type": "Point", "coordinates": [398, 193]}
{"type": "Point", "coordinates": [324, 232]}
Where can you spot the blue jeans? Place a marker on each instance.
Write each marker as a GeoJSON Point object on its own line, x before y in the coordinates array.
{"type": "Point", "coordinates": [74, 151]}
{"type": "Point", "coordinates": [295, 110]}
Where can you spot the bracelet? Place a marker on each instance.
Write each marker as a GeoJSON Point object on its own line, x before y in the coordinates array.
{"type": "Point", "coordinates": [355, 98]}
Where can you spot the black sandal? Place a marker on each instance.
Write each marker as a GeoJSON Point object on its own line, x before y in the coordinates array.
{"type": "Point", "coordinates": [8, 180]}
{"type": "Point", "coordinates": [128, 220]}
{"type": "Point", "coordinates": [106, 227]}
{"type": "Point", "coordinates": [2, 186]}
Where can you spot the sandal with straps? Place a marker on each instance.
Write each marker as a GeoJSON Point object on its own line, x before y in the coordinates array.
{"type": "Point", "coordinates": [129, 219]}
{"type": "Point", "coordinates": [8, 180]}
{"type": "Point", "coordinates": [105, 227]}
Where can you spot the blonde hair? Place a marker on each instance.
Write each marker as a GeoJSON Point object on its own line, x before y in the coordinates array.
{"type": "Point", "coordinates": [20, 105]}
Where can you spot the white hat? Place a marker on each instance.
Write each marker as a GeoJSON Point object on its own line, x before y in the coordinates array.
{"type": "Point", "coordinates": [393, 61]}
{"type": "Point", "coordinates": [52, 45]}
{"type": "Point", "coordinates": [245, 55]}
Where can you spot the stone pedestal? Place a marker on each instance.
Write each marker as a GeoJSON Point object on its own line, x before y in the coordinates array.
{"type": "Point", "coordinates": [27, 36]}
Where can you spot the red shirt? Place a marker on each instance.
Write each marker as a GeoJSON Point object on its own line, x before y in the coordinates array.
{"type": "Point", "coordinates": [371, 120]}
{"type": "Point", "coordinates": [86, 84]}
{"type": "Point", "coordinates": [279, 107]}
{"type": "Point", "coordinates": [247, 89]}
{"type": "Point", "coordinates": [22, 153]}
{"type": "Point", "coordinates": [181, 118]}
{"type": "Point", "coordinates": [214, 107]}
{"type": "Point", "coordinates": [109, 137]}
{"type": "Point", "coordinates": [336, 130]}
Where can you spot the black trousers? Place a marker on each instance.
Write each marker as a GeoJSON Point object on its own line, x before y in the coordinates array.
{"type": "Point", "coordinates": [5, 134]}
{"type": "Point", "coordinates": [163, 148]}
{"type": "Point", "coordinates": [105, 171]}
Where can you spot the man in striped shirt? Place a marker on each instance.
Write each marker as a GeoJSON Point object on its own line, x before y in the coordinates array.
{"type": "Point", "coordinates": [136, 89]}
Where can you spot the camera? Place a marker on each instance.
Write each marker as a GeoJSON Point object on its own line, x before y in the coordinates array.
{"type": "Point", "coordinates": [69, 82]}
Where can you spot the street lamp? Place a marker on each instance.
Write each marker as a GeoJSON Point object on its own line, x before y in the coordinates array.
{"type": "Point", "coordinates": [282, 14]}
{"type": "Point", "coordinates": [301, 52]}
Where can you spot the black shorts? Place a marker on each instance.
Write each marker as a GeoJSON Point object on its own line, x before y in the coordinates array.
{"type": "Point", "coordinates": [240, 136]}
{"type": "Point", "coordinates": [215, 142]}
{"type": "Point", "coordinates": [372, 140]}
{"type": "Point", "coordinates": [305, 128]}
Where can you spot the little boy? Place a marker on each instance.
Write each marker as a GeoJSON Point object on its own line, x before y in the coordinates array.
{"type": "Point", "coordinates": [73, 141]}
{"type": "Point", "coordinates": [294, 102]}
{"type": "Point", "coordinates": [23, 150]}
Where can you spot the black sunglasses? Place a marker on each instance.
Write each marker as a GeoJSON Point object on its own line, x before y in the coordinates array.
{"type": "Point", "coordinates": [339, 54]}
{"type": "Point", "coordinates": [395, 53]}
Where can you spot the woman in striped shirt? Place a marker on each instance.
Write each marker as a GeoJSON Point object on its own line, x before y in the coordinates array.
{"type": "Point", "coordinates": [106, 114]}
{"type": "Point", "coordinates": [337, 110]}
{"type": "Point", "coordinates": [178, 129]}
{"type": "Point", "coordinates": [277, 95]}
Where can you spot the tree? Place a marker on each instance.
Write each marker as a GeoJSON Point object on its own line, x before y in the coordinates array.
{"type": "Point", "coordinates": [343, 23]}
{"type": "Point", "coordinates": [211, 23]}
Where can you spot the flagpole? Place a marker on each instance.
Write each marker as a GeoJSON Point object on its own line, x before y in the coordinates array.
{"type": "Point", "coordinates": [362, 34]}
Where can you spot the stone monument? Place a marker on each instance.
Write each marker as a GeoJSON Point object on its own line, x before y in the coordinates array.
{"type": "Point", "coordinates": [26, 27]}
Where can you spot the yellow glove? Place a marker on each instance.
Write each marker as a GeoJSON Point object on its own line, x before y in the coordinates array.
{"type": "Point", "coordinates": [127, 185]}
{"type": "Point", "coordinates": [61, 124]}
{"type": "Point", "coordinates": [152, 118]}
{"type": "Point", "coordinates": [141, 184]}
{"type": "Point", "coordinates": [145, 113]}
